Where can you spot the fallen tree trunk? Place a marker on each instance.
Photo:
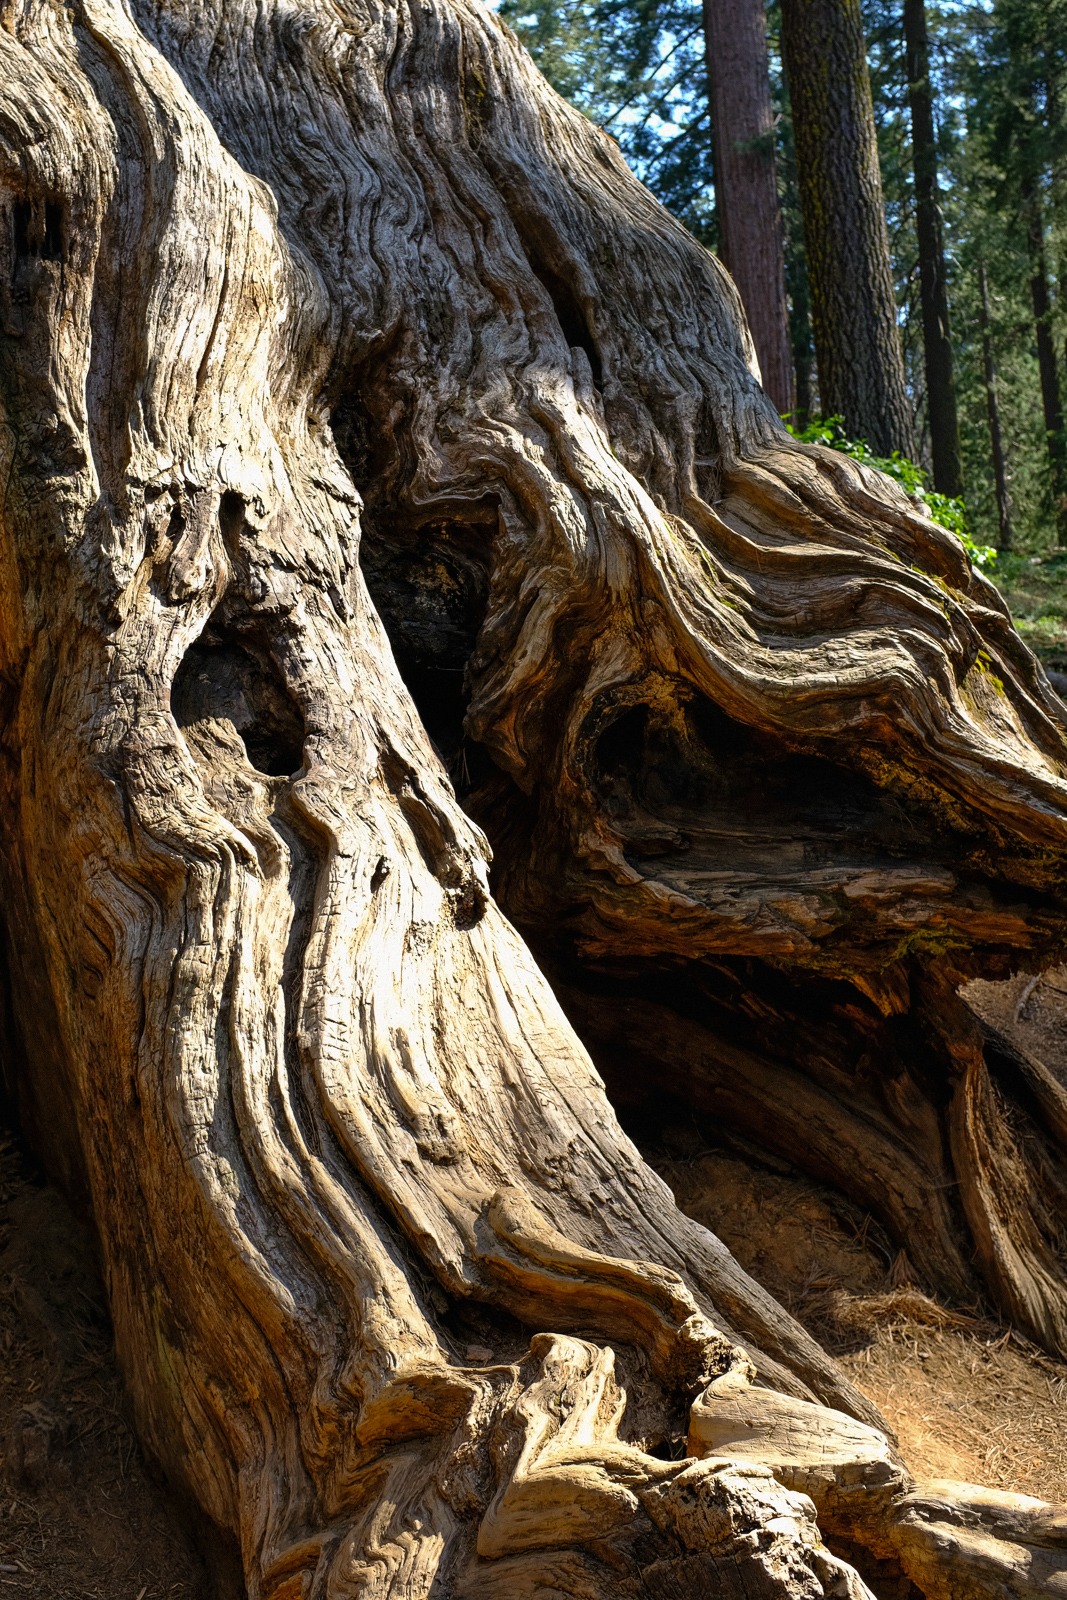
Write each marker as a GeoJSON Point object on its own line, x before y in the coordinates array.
{"type": "Point", "coordinates": [398, 1302]}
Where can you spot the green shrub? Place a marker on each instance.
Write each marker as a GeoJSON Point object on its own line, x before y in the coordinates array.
{"type": "Point", "coordinates": [940, 508]}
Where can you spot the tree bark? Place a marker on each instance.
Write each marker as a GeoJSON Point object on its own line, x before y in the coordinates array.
{"type": "Point", "coordinates": [857, 347]}
{"type": "Point", "coordinates": [1051, 401]}
{"type": "Point", "coordinates": [746, 185]}
{"type": "Point", "coordinates": [933, 287]}
{"type": "Point", "coordinates": [796, 280]}
{"type": "Point", "coordinates": [398, 1303]}
{"type": "Point", "coordinates": [996, 443]}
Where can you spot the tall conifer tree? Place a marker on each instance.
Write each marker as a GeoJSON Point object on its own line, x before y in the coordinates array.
{"type": "Point", "coordinates": [1020, 114]}
{"type": "Point", "coordinates": [746, 187]}
{"type": "Point", "coordinates": [996, 441]}
{"type": "Point", "coordinates": [937, 340]}
{"type": "Point", "coordinates": [857, 349]}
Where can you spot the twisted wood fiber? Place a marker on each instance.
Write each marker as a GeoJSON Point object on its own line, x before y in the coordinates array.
{"type": "Point", "coordinates": [330, 1117]}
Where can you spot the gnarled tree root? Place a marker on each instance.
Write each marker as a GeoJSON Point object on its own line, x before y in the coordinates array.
{"type": "Point", "coordinates": [374, 1240]}
{"type": "Point", "coordinates": [954, 1541]}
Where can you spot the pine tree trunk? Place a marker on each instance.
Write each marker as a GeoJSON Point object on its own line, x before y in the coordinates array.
{"type": "Point", "coordinates": [937, 340]}
{"type": "Point", "coordinates": [796, 277]}
{"type": "Point", "coordinates": [1051, 402]}
{"type": "Point", "coordinates": [857, 347]}
{"type": "Point", "coordinates": [996, 443]}
{"type": "Point", "coordinates": [398, 1303]}
{"type": "Point", "coordinates": [746, 186]}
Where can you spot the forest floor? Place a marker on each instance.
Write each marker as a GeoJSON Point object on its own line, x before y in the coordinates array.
{"type": "Point", "coordinates": [968, 1396]}
{"type": "Point", "coordinates": [82, 1517]}
{"type": "Point", "coordinates": [1035, 588]}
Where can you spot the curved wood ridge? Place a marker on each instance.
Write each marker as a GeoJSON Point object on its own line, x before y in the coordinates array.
{"type": "Point", "coordinates": [397, 1300]}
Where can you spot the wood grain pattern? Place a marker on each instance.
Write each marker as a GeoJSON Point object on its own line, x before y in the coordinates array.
{"type": "Point", "coordinates": [397, 1301]}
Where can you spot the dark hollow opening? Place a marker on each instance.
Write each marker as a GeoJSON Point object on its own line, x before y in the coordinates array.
{"type": "Point", "coordinates": [707, 764]}
{"type": "Point", "coordinates": [233, 678]}
{"type": "Point", "coordinates": [430, 588]}
{"type": "Point", "coordinates": [572, 318]}
{"type": "Point", "coordinates": [620, 750]}
{"type": "Point", "coordinates": [38, 231]}
{"type": "Point", "coordinates": [231, 516]}
{"type": "Point", "coordinates": [428, 580]}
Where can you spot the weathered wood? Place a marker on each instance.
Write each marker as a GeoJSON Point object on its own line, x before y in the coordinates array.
{"type": "Point", "coordinates": [847, 1469]}
{"type": "Point", "coordinates": [397, 1301]}
{"type": "Point", "coordinates": [995, 1543]}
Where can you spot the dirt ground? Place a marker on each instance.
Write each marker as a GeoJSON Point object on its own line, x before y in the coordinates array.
{"type": "Point", "coordinates": [80, 1514]}
{"type": "Point", "coordinates": [82, 1517]}
{"type": "Point", "coordinates": [969, 1397]}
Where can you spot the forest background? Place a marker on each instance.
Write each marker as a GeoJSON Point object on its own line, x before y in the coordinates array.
{"type": "Point", "coordinates": [998, 81]}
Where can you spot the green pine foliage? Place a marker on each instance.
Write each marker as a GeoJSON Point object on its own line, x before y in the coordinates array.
{"type": "Point", "coordinates": [1000, 80]}
{"type": "Point", "coordinates": [990, 117]}
{"type": "Point", "coordinates": [567, 44]}
{"type": "Point", "coordinates": [637, 68]}
{"type": "Point", "coordinates": [1016, 141]}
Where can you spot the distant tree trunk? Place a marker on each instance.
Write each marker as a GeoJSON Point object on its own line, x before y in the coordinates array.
{"type": "Point", "coordinates": [996, 444]}
{"type": "Point", "coordinates": [857, 346]}
{"type": "Point", "coordinates": [1051, 402]}
{"type": "Point", "coordinates": [746, 187]}
{"type": "Point", "coordinates": [937, 341]}
{"type": "Point", "coordinates": [796, 274]}
{"type": "Point", "coordinates": [803, 359]}
{"type": "Point", "coordinates": [324, 321]}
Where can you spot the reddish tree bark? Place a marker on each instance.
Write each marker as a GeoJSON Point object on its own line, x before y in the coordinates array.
{"type": "Point", "coordinates": [746, 187]}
